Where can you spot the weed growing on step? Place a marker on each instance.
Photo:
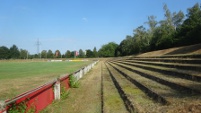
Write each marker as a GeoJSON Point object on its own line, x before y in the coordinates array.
{"type": "Point", "coordinates": [73, 82]}
{"type": "Point", "coordinates": [64, 93]}
{"type": "Point", "coordinates": [20, 108]}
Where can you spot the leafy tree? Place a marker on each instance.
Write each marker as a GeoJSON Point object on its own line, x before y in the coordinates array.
{"type": "Point", "coordinates": [141, 40]}
{"type": "Point", "coordinates": [50, 54]}
{"type": "Point", "coordinates": [126, 47]}
{"type": "Point", "coordinates": [14, 52]}
{"type": "Point", "coordinates": [81, 53]}
{"type": "Point", "coordinates": [44, 54]}
{"type": "Point", "coordinates": [67, 54]}
{"type": "Point", "coordinates": [108, 50]}
{"type": "Point", "coordinates": [57, 54]}
{"type": "Point", "coordinates": [189, 33]}
{"type": "Point", "coordinates": [89, 53]}
{"type": "Point", "coordinates": [72, 54]}
{"type": "Point", "coordinates": [177, 19]}
{"type": "Point", "coordinates": [35, 56]}
{"type": "Point", "coordinates": [95, 53]}
{"type": "Point", "coordinates": [4, 52]}
{"type": "Point", "coordinates": [151, 23]}
{"type": "Point", "coordinates": [163, 36]}
{"type": "Point", "coordinates": [23, 54]}
{"type": "Point", "coordinates": [170, 32]}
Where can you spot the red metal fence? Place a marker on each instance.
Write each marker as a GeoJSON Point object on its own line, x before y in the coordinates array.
{"type": "Point", "coordinates": [37, 99]}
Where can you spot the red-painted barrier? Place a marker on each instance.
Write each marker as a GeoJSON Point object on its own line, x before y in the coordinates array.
{"type": "Point", "coordinates": [65, 82]}
{"type": "Point", "coordinates": [36, 99]}
{"type": "Point", "coordinates": [40, 97]}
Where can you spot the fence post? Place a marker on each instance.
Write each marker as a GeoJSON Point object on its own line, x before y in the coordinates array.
{"type": "Point", "coordinates": [80, 73]}
{"type": "Point", "coordinates": [2, 106]}
{"type": "Point", "coordinates": [57, 90]}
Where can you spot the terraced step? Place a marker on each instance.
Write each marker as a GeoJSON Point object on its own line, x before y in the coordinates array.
{"type": "Point", "coordinates": [111, 99]}
{"type": "Point", "coordinates": [138, 98]}
{"type": "Point", "coordinates": [194, 67]}
{"type": "Point", "coordinates": [149, 87]}
{"type": "Point", "coordinates": [189, 75]}
{"type": "Point", "coordinates": [171, 60]}
{"type": "Point", "coordinates": [182, 85]}
{"type": "Point", "coordinates": [176, 56]}
{"type": "Point", "coordinates": [127, 102]}
{"type": "Point", "coordinates": [173, 96]}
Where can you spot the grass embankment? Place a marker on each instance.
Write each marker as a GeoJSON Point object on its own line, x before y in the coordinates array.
{"type": "Point", "coordinates": [18, 77]}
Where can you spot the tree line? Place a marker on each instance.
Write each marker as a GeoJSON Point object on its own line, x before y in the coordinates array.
{"type": "Point", "coordinates": [175, 30]}
{"type": "Point", "coordinates": [14, 53]}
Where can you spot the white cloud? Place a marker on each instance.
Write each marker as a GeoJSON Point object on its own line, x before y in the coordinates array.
{"type": "Point", "coordinates": [84, 19]}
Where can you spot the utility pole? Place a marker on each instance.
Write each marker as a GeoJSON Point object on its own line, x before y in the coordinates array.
{"type": "Point", "coordinates": [38, 47]}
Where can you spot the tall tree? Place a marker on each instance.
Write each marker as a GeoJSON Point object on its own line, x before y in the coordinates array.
{"type": "Point", "coordinates": [23, 54]}
{"type": "Point", "coordinates": [126, 47]}
{"type": "Point", "coordinates": [141, 40]}
{"type": "Point", "coordinates": [163, 36]}
{"type": "Point", "coordinates": [81, 53]}
{"type": "Point", "coordinates": [177, 19]}
{"type": "Point", "coordinates": [43, 54]}
{"type": "Point", "coordinates": [68, 54]}
{"type": "Point", "coordinates": [95, 52]}
{"type": "Point", "coordinates": [152, 23]}
{"type": "Point", "coordinates": [190, 29]}
{"type": "Point", "coordinates": [89, 53]}
{"type": "Point", "coordinates": [72, 54]}
{"type": "Point", "coordinates": [14, 52]}
{"type": "Point", "coordinates": [108, 50]}
{"type": "Point", "coordinates": [57, 54]}
{"type": "Point", "coordinates": [50, 54]}
{"type": "Point", "coordinates": [4, 52]}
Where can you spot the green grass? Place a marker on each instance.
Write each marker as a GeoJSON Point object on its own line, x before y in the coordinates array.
{"type": "Point", "coordinates": [18, 77]}
{"type": "Point", "coordinates": [10, 70]}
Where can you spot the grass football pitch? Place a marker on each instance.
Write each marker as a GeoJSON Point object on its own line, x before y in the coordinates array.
{"type": "Point", "coordinates": [18, 77]}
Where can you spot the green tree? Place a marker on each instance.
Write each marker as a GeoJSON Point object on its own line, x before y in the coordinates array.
{"type": "Point", "coordinates": [151, 23]}
{"type": "Point", "coordinates": [23, 54]}
{"type": "Point", "coordinates": [14, 52]}
{"type": "Point", "coordinates": [95, 53]}
{"type": "Point", "coordinates": [72, 54]}
{"type": "Point", "coordinates": [177, 19]}
{"type": "Point", "coordinates": [50, 54]}
{"type": "Point", "coordinates": [189, 33]}
{"type": "Point", "coordinates": [141, 40]}
{"type": "Point", "coordinates": [126, 47]}
{"type": "Point", "coordinates": [4, 52]}
{"type": "Point", "coordinates": [43, 54]}
{"type": "Point", "coordinates": [81, 53]}
{"type": "Point", "coordinates": [163, 36]}
{"type": "Point", "coordinates": [108, 50]}
{"type": "Point", "coordinates": [57, 54]}
{"type": "Point", "coordinates": [67, 54]}
{"type": "Point", "coordinates": [89, 53]}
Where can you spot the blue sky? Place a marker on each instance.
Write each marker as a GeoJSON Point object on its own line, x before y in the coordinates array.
{"type": "Point", "coordinates": [76, 24]}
